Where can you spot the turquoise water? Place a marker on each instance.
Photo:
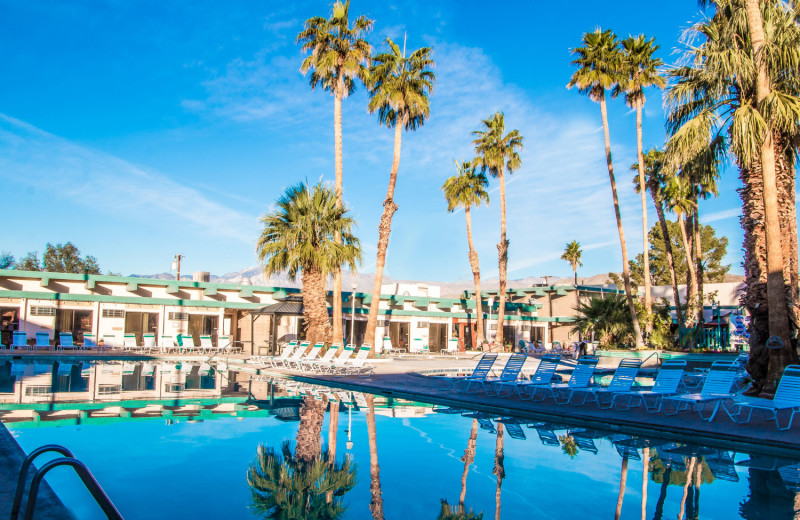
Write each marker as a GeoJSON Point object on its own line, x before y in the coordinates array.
{"type": "Point", "coordinates": [176, 465]}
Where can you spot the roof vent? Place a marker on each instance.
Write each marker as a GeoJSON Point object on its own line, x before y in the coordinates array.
{"type": "Point", "coordinates": [201, 276]}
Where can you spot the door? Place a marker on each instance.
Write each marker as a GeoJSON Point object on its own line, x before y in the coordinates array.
{"type": "Point", "coordinates": [76, 321]}
{"type": "Point", "coordinates": [437, 336]}
{"type": "Point", "coordinates": [398, 333]}
{"type": "Point", "coordinates": [140, 323]}
{"type": "Point", "coordinates": [202, 325]}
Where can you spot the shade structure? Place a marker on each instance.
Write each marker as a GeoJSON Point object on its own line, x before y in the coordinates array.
{"type": "Point", "coordinates": [289, 306]}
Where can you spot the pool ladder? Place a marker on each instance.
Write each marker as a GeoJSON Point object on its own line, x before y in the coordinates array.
{"type": "Point", "coordinates": [67, 460]}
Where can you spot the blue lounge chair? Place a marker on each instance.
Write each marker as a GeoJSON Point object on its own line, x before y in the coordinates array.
{"type": "Point", "coordinates": [722, 466]}
{"type": "Point", "coordinates": [625, 448]}
{"type": "Point", "coordinates": [510, 373]}
{"type": "Point", "coordinates": [787, 397]}
{"type": "Point", "coordinates": [89, 341]}
{"type": "Point", "coordinates": [542, 377]}
{"type": "Point", "coordinates": [514, 430]}
{"type": "Point", "coordinates": [42, 340]}
{"type": "Point", "coordinates": [623, 379]}
{"type": "Point", "coordinates": [716, 388]}
{"type": "Point", "coordinates": [481, 370]}
{"type": "Point", "coordinates": [667, 382]}
{"type": "Point", "coordinates": [484, 420]}
{"type": "Point", "coordinates": [65, 341]}
{"type": "Point", "coordinates": [791, 477]}
{"type": "Point", "coordinates": [584, 440]}
{"type": "Point", "coordinates": [19, 340]}
{"type": "Point", "coordinates": [548, 437]}
{"type": "Point", "coordinates": [580, 378]}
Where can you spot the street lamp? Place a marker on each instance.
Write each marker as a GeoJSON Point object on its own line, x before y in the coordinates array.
{"type": "Point", "coordinates": [715, 313]}
{"type": "Point", "coordinates": [349, 443]}
{"type": "Point", "coordinates": [354, 286]}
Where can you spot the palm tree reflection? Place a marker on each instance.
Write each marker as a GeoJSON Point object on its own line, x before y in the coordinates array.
{"type": "Point", "coordinates": [303, 484]}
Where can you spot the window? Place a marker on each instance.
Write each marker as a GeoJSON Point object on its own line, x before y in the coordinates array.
{"type": "Point", "coordinates": [422, 324]}
{"type": "Point", "coordinates": [383, 323]}
{"type": "Point", "coordinates": [113, 313]}
{"type": "Point", "coordinates": [178, 316]}
{"type": "Point", "coordinates": [108, 389]}
{"type": "Point", "coordinates": [37, 390]}
{"type": "Point", "coordinates": [173, 387]}
{"type": "Point", "coordinates": [43, 311]}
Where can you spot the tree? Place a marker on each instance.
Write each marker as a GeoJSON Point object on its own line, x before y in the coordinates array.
{"type": "Point", "coordinates": [449, 512]}
{"type": "Point", "coordinates": [572, 254]}
{"type": "Point", "coordinates": [656, 183]}
{"type": "Point", "coordinates": [499, 469]}
{"type": "Point", "coordinates": [464, 190]}
{"type": "Point", "coordinates": [299, 237]}
{"type": "Point", "coordinates": [599, 63]}
{"type": "Point", "coordinates": [714, 250]}
{"type": "Point", "coordinates": [639, 71]}
{"type": "Point", "coordinates": [497, 153]}
{"type": "Point", "coordinates": [66, 258]}
{"type": "Point", "coordinates": [609, 319]}
{"type": "Point", "coordinates": [6, 260]}
{"type": "Point", "coordinates": [29, 262]}
{"type": "Point", "coordinates": [399, 90]}
{"type": "Point", "coordinates": [376, 501]}
{"type": "Point", "coordinates": [739, 82]}
{"type": "Point", "coordinates": [678, 199]}
{"type": "Point", "coordinates": [339, 55]}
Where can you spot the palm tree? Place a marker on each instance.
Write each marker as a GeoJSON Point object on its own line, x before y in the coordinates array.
{"type": "Point", "coordinates": [599, 66]}
{"type": "Point", "coordinates": [572, 254]}
{"type": "Point", "coordinates": [645, 475]}
{"type": "Point", "coordinates": [655, 182]}
{"type": "Point", "coordinates": [640, 70]}
{"type": "Point", "coordinates": [499, 469]}
{"type": "Point", "coordinates": [623, 479]}
{"type": "Point", "coordinates": [465, 190]}
{"type": "Point", "coordinates": [339, 55]}
{"type": "Point", "coordinates": [399, 89]}
{"type": "Point", "coordinates": [449, 512]}
{"type": "Point", "coordinates": [376, 502]}
{"type": "Point", "coordinates": [720, 92]}
{"type": "Point", "coordinates": [678, 199]}
{"type": "Point", "coordinates": [607, 317]}
{"type": "Point", "coordinates": [468, 459]}
{"type": "Point", "coordinates": [497, 153]}
{"type": "Point", "coordinates": [299, 237]}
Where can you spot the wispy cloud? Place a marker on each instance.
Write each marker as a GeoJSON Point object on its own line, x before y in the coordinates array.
{"type": "Point", "coordinates": [720, 215]}
{"type": "Point", "coordinates": [35, 159]}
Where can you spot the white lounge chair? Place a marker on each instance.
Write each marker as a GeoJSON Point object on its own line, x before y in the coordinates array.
{"type": "Point", "coordinates": [452, 346]}
{"type": "Point", "coordinates": [313, 354]}
{"type": "Point", "coordinates": [667, 383]}
{"type": "Point", "coordinates": [580, 378]}
{"type": "Point", "coordinates": [129, 342]}
{"type": "Point", "coordinates": [276, 361]}
{"type": "Point", "coordinates": [206, 344]}
{"type": "Point", "coordinates": [315, 364]}
{"type": "Point", "coordinates": [716, 388]}
{"type": "Point", "coordinates": [359, 365]}
{"type": "Point", "coordinates": [542, 377]}
{"type": "Point", "coordinates": [149, 342]}
{"type": "Point", "coordinates": [339, 361]}
{"type": "Point", "coordinates": [623, 379]}
{"type": "Point", "coordinates": [787, 397]}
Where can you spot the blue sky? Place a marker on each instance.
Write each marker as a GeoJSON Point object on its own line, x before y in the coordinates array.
{"type": "Point", "coordinates": [138, 130]}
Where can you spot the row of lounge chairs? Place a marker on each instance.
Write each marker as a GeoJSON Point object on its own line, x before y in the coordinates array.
{"type": "Point", "coordinates": [183, 344]}
{"type": "Point", "coordinates": [298, 357]}
{"type": "Point", "coordinates": [668, 394]}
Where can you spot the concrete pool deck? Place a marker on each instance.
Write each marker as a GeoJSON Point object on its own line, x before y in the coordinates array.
{"type": "Point", "coordinates": [402, 379]}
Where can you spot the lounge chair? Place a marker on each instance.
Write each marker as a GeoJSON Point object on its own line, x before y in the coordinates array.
{"type": "Point", "coordinates": [186, 344]}
{"type": "Point", "coordinates": [510, 373]}
{"type": "Point", "coordinates": [166, 343]}
{"type": "Point", "coordinates": [484, 420]}
{"type": "Point", "coordinates": [480, 371]}
{"type": "Point", "coordinates": [787, 397]}
{"type": "Point", "coordinates": [584, 440]}
{"type": "Point", "coordinates": [326, 359]}
{"type": "Point", "coordinates": [667, 382]}
{"type": "Point", "coordinates": [129, 342]}
{"type": "Point", "coordinates": [580, 378]}
{"type": "Point", "coordinates": [623, 379]}
{"type": "Point", "coordinates": [296, 364]}
{"type": "Point", "coordinates": [149, 342]}
{"type": "Point", "coordinates": [452, 346]}
{"type": "Point", "coordinates": [417, 347]}
{"type": "Point", "coordinates": [19, 340]}
{"type": "Point", "coordinates": [338, 362]}
{"type": "Point", "coordinates": [42, 340]}
{"type": "Point", "coordinates": [625, 449]}
{"type": "Point", "coordinates": [276, 361]}
{"type": "Point", "coordinates": [542, 377]}
{"type": "Point", "coordinates": [65, 341]}
{"type": "Point", "coordinates": [790, 475]}
{"type": "Point", "coordinates": [716, 388]}
{"type": "Point", "coordinates": [547, 436]}
{"type": "Point", "coordinates": [722, 466]}
{"type": "Point", "coordinates": [513, 429]}
{"type": "Point", "coordinates": [206, 344]}
{"type": "Point", "coordinates": [359, 365]}
{"type": "Point", "coordinates": [89, 341]}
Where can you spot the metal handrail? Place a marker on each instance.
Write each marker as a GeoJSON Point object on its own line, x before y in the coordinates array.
{"type": "Point", "coordinates": [23, 473]}
{"type": "Point", "coordinates": [86, 477]}
{"type": "Point", "coordinates": [654, 353]}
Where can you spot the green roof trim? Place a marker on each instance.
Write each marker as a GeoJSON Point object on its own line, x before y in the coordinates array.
{"type": "Point", "coordinates": [132, 286]}
{"type": "Point", "coordinates": [127, 299]}
{"type": "Point", "coordinates": [89, 285]}
{"type": "Point", "coordinates": [210, 291]}
{"type": "Point", "coordinates": [173, 288]}
{"type": "Point", "coordinates": [561, 291]}
{"type": "Point", "coordinates": [44, 281]}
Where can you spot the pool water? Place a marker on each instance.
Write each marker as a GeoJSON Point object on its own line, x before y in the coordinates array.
{"type": "Point", "coordinates": [195, 464]}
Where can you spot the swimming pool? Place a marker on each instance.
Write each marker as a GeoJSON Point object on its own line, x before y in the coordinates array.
{"type": "Point", "coordinates": [188, 456]}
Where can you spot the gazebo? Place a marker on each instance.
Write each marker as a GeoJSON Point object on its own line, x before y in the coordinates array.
{"type": "Point", "coordinates": [289, 306]}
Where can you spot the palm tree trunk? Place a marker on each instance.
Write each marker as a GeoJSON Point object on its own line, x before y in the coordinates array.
{"type": "Point", "coordinates": [476, 275]}
{"type": "Point", "coordinates": [648, 299]}
{"type": "Point", "coordinates": [384, 228]}
{"type": "Point", "coordinates": [315, 306]}
{"type": "Point", "coordinates": [499, 469]}
{"type": "Point", "coordinates": [698, 260]}
{"type": "Point", "coordinates": [778, 319]}
{"type": "Point", "coordinates": [337, 273]}
{"type": "Point", "coordinates": [662, 220]}
{"type": "Point", "coordinates": [645, 469]}
{"type": "Point", "coordinates": [376, 503]}
{"type": "Point", "coordinates": [502, 256]}
{"type": "Point", "coordinates": [662, 496]}
{"type": "Point", "coordinates": [689, 472]}
{"type": "Point", "coordinates": [333, 427]}
{"type": "Point", "coordinates": [691, 283]}
{"type": "Point", "coordinates": [626, 277]}
{"type": "Point", "coordinates": [623, 479]}
{"type": "Point", "coordinates": [575, 272]}
{"type": "Point", "coordinates": [467, 459]}
{"type": "Point", "coordinates": [309, 442]}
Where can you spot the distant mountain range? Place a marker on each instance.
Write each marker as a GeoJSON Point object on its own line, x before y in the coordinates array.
{"type": "Point", "coordinates": [255, 276]}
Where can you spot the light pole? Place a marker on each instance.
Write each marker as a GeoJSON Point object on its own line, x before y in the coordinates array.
{"type": "Point", "coordinates": [354, 286]}
{"type": "Point", "coordinates": [176, 264]}
{"type": "Point", "coordinates": [349, 443]}
{"type": "Point", "coordinates": [715, 313]}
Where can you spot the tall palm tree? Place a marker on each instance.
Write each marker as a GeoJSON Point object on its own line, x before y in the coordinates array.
{"type": "Point", "coordinates": [572, 254]}
{"type": "Point", "coordinates": [623, 479]}
{"type": "Point", "coordinates": [497, 153]}
{"type": "Point", "coordinates": [656, 182]}
{"type": "Point", "coordinates": [338, 56]}
{"type": "Point", "coordinates": [599, 66]}
{"type": "Point", "coordinates": [639, 71]}
{"type": "Point", "coordinates": [465, 190]}
{"type": "Point", "coordinates": [399, 87]}
{"type": "Point", "coordinates": [720, 92]}
{"type": "Point", "coordinates": [299, 237]}
{"type": "Point", "coordinates": [376, 502]}
{"type": "Point", "coordinates": [678, 199]}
